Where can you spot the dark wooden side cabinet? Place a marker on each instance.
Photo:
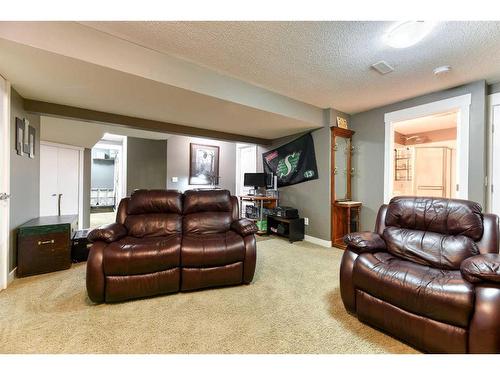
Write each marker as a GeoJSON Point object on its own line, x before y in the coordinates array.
{"type": "Point", "coordinates": [44, 244]}
{"type": "Point", "coordinates": [293, 229]}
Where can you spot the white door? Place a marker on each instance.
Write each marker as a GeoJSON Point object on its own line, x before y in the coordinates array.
{"type": "Point", "coordinates": [495, 197]}
{"type": "Point", "coordinates": [59, 179]}
{"type": "Point", "coordinates": [4, 179]}
{"type": "Point", "coordinates": [246, 163]}
{"type": "Point", "coordinates": [48, 180]}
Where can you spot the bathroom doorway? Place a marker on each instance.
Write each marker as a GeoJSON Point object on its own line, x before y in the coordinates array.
{"type": "Point", "coordinates": [427, 149]}
{"type": "Point", "coordinates": [425, 156]}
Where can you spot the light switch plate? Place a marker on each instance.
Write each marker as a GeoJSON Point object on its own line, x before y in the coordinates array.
{"type": "Point", "coordinates": [175, 179]}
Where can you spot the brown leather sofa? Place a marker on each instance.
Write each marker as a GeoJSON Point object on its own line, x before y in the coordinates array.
{"type": "Point", "coordinates": [164, 242]}
{"type": "Point", "coordinates": [429, 275]}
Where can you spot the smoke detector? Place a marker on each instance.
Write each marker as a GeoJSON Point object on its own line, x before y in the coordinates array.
{"type": "Point", "coordinates": [382, 67]}
{"type": "Point", "coordinates": [441, 70]}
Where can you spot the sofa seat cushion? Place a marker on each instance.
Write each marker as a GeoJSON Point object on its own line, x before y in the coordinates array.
{"type": "Point", "coordinates": [441, 295]}
{"type": "Point", "coordinates": [134, 256]}
{"type": "Point", "coordinates": [212, 249]}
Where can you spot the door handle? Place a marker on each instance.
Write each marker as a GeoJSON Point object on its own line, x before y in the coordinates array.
{"type": "Point", "coordinates": [4, 196]}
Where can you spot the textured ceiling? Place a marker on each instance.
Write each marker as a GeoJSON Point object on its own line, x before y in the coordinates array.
{"type": "Point", "coordinates": [41, 75]}
{"type": "Point", "coordinates": [326, 64]}
{"type": "Point", "coordinates": [427, 123]}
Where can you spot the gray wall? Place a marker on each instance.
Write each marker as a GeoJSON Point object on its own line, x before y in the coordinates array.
{"type": "Point", "coordinates": [368, 160]}
{"type": "Point", "coordinates": [24, 177]}
{"type": "Point", "coordinates": [494, 88]}
{"type": "Point", "coordinates": [178, 162]}
{"type": "Point", "coordinates": [146, 164]}
{"type": "Point", "coordinates": [103, 173]}
{"type": "Point", "coordinates": [312, 198]}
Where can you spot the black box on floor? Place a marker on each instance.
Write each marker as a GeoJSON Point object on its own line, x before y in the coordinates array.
{"type": "Point", "coordinates": [80, 246]}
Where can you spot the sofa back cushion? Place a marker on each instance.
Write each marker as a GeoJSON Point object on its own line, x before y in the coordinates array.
{"type": "Point", "coordinates": [429, 248]}
{"type": "Point", "coordinates": [207, 212]}
{"type": "Point", "coordinates": [153, 225]}
{"type": "Point", "coordinates": [152, 213]}
{"type": "Point", "coordinates": [155, 201]}
{"type": "Point", "coordinates": [437, 232]}
{"type": "Point", "coordinates": [439, 215]}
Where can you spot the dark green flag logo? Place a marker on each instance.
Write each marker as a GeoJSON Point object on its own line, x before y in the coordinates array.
{"type": "Point", "coordinates": [293, 162]}
{"type": "Point", "coordinates": [288, 164]}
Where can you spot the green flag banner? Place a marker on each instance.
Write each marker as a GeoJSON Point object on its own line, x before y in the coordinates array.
{"type": "Point", "coordinates": [293, 163]}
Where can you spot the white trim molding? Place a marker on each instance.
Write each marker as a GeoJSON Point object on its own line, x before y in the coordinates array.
{"type": "Point", "coordinates": [12, 276]}
{"type": "Point", "coordinates": [317, 241]}
{"type": "Point", "coordinates": [460, 103]}
{"type": "Point", "coordinates": [5, 148]}
{"type": "Point", "coordinates": [493, 155]}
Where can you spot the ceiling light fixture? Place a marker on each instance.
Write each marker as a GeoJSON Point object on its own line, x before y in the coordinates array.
{"type": "Point", "coordinates": [442, 69]}
{"type": "Point", "coordinates": [407, 33]}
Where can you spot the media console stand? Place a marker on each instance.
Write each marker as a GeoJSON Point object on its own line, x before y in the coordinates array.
{"type": "Point", "coordinates": [293, 228]}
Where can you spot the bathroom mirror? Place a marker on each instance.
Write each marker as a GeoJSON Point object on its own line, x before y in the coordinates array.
{"type": "Point", "coordinates": [341, 164]}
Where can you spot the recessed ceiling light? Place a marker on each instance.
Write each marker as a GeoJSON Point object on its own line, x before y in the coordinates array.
{"type": "Point", "coordinates": [442, 69]}
{"type": "Point", "coordinates": [407, 33]}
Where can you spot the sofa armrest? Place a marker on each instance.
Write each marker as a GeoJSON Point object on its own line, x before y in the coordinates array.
{"type": "Point", "coordinates": [244, 227]}
{"type": "Point", "coordinates": [364, 242]}
{"type": "Point", "coordinates": [481, 268]}
{"type": "Point", "coordinates": [108, 233]}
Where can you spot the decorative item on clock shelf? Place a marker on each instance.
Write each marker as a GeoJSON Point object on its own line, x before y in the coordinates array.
{"type": "Point", "coordinates": [341, 122]}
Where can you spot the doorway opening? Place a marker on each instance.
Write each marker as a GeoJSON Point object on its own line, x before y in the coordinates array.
{"type": "Point", "coordinates": [425, 156]}
{"type": "Point", "coordinates": [108, 179]}
{"type": "Point", "coordinates": [246, 162]}
{"type": "Point", "coordinates": [427, 150]}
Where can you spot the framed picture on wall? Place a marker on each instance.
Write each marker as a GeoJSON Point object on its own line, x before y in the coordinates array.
{"type": "Point", "coordinates": [31, 140]}
{"type": "Point", "coordinates": [26, 143]}
{"type": "Point", "coordinates": [19, 136]}
{"type": "Point", "coordinates": [203, 165]}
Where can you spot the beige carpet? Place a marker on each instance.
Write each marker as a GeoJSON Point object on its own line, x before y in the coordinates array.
{"type": "Point", "coordinates": [293, 306]}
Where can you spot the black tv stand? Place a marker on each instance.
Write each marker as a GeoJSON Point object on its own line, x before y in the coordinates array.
{"type": "Point", "coordinates": [294, 228]}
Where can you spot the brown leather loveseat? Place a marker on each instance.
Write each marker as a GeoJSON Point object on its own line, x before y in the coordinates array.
{"type": "Point", "coordinates": [164, 242]}
{"type": "Point", "coordinates": [429, 274]}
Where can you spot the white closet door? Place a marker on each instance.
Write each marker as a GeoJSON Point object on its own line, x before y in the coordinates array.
{"type": "Point", "coordinates": [68, 163]}
{"type": "Point", "coordinates": [48, 180]}
{"type": "Point", "coordinates": [59, 174]}
{"type": "Point", "coordinates": [495, 202]}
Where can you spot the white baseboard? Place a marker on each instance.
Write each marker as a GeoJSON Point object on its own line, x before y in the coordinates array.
{"type": "Point", "coordinates": [12, 276]}
{"type": "Point", "coordinates": [318, 241]}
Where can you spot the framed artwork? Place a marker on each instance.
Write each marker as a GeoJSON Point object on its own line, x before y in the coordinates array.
{"type": "Point", "coordinates": [203, 165]}
{"type": "Point", "coordinates": [19, 136]}
{"type": "Point", "coordinates": [31, 140]}
{"type": "Point", "coordinates": [341, 122]}
{"type": "Point", "coordinates": [26, 143]}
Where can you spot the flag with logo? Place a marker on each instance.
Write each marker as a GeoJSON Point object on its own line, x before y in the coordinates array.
{"type": "Point", "coordinates": [293, 163]}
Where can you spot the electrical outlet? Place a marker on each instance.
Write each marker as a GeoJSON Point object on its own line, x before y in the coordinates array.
{"type": "Point", "coordinates": [175, 179]}
{"type": "Point", "coordinates": [306, 221]}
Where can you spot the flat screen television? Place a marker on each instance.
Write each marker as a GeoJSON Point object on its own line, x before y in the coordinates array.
{"type": "Point", "coordinates": [256, 180]}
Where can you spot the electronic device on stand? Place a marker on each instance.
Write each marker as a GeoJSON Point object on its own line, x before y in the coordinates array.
{"type": "Point", "coordinates": [259, 181]}
{"type": "Point", "coordinates": [262, 200]}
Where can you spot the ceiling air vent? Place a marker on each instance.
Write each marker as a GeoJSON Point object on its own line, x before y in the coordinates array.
{"type": "Point", "coordinates": [382, 67]}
